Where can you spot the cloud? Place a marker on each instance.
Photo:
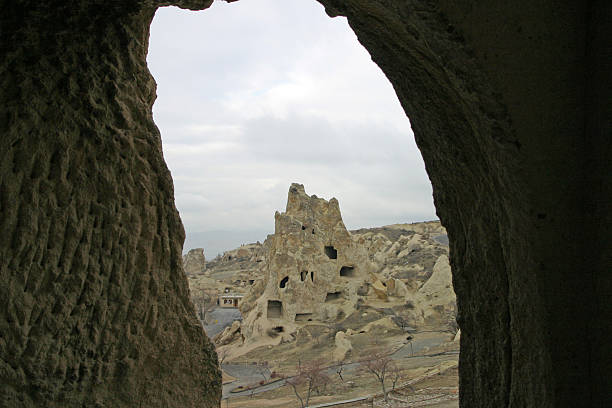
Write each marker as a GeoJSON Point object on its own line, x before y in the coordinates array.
{"type": "Point", "coordinates": [255, 95]}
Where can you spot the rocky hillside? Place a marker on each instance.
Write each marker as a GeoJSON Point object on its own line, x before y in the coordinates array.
{"type": "Point", "coordinates": [312, 273]}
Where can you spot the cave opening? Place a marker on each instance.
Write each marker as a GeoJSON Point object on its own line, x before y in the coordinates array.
{"type": "Point", "coordinates": [275, 309]}
{"type": "Point", "coordinates": [331, 296]}
{"type": "Point", "coordinates": [303, 317]}
{"type": "Point", "coordinates": [347, 271]}
{"type": "Point", "coordinates": [331, 252]}
{"type": "Point", "coordinates": [475, 109]}
{"type": "Point", "coordinates": [245, 141]}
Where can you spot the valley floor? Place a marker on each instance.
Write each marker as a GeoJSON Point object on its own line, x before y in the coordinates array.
{"type": "Point", "coordinates": [430, 380]}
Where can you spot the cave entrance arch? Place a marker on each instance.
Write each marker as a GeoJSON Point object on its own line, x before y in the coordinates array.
{"type": "Point", "coordinates": [329, 250]}
{"type": "Point", "coordinates": [472, 150]}
{"type": "Point", "coordinates": [274, 309]}
{"type": "Point", "coordinates": [517, 157]}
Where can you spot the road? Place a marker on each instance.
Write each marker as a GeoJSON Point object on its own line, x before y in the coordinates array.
{"type": "Point", "coordinates": [220, 318]}
{"type": "Point", "coordinates": [246, 375]}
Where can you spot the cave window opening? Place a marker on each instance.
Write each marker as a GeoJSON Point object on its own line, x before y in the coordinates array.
{"type": "Point", "coordinates": [275, 309]}
{"type": "Point", "coordinates": [242, 105]}
{"type": "Point", "coordinates": [347, 271]}
{"type": "Point", "coordinates": [303, 317]}
{"type": "Point", "coordinates": [283, 282]}
{"type": "Point", "coordinates": [331, 252]}
{"type": "Point", "coordinates": [331, 296]}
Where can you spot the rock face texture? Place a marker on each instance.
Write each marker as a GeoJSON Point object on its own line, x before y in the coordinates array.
{"type": "Point", "coordinates": [312, 268]}
{"type": "Point", "coordinates": [412, 264]}
{"type": "Point", "coordinates": [94, 305]}
{"type": "Point", "coordinates": [509, 103]}
{"type": "Point", "coordinates": [194, 262]}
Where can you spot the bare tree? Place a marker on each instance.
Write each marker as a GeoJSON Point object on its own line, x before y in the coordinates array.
{"type": "Point", "coordinates": [381, 366]}
{"type": "Point", "coordinates": [312, 376]}
{"type": "Point", "coordinates": [339, 369]}
{"type": "Point", "coordinates": [395, 374]}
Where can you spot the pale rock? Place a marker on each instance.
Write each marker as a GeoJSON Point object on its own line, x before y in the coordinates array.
{"type": "Point", "coordinates": [312, 270]}
{"type": "Point", "coordinates": [343, 346]}
{"type": "Point", "coordinates": [380, 289]}
{"type": "Point", "coordinates": [436, 297]}
{"type": "Point", "coordinates": [457, 336]}
{"type": "Point", "coordinates": [194, 262]}
{"type": "Point", "coordinates": [228, 335]}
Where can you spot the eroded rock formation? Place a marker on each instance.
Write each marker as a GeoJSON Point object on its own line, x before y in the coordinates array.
{"type": "Point", "coordinates": [314, 273]}
{"type": "Point", "coordinates": [194, 262]}
{"type": "Point", "coordinates": [509, 102]}
{"type": "Point", "coordinates": [312, 268]}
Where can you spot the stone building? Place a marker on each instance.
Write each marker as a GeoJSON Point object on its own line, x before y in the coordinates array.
{"type": "Point", "coordinates": [230, 300]}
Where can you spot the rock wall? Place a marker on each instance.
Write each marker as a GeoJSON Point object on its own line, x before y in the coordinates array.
{"type": "Point", "coordinates": [94, 304]}
{"type": "Point", "coordinates": [509, 103]}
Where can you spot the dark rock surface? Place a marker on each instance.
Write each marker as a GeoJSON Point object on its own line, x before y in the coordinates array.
{"type": "Point", "coordinates": [94, 305]}
{"type": "Point", "coordinates": [509, 102]}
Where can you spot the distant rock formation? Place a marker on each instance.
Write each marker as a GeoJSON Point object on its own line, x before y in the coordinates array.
{"type": "Point", "coordinates": [312, 271]}
{"type": "Point", "coordinates": [411, 262]}
{"type": "Point", "coordinates": [194, 262]}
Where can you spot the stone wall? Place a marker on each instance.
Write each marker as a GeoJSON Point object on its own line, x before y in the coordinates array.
{"type": "Point", "coordinates": [509, 103]}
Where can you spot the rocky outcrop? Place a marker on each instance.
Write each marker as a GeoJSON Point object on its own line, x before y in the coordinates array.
{"type": "Point", "coordinates": [342, 346]}
{"type": "Point", "coordinates": [436, 299]}
{"type": "Point", "coordinates": [194, 262]}
{"type": "Point", "coordinates": [248, 253]}
{"type": "Point", "coordinates": [312, 269]}
{"type": "Point", "coordinates": [236, 270]}
{"type": "Point", "coordinates": [406, 252]}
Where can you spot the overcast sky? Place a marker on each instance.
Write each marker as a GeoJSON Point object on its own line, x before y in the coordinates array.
{"type": "Point", "coordinates": [257, 94]}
